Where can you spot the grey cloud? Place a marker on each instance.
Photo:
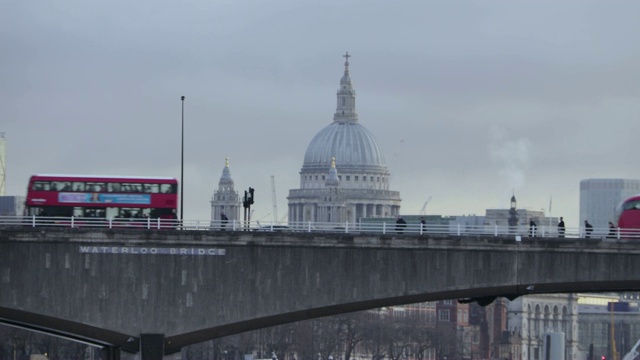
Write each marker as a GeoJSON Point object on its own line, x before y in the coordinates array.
{"type": "Point", "coordinates": [95, 88]}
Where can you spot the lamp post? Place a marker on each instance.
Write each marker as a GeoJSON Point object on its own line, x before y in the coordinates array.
{"type": "Point", "coordinates": [15, 341]}
{"type": "Point", "coordinates": [182, 167]}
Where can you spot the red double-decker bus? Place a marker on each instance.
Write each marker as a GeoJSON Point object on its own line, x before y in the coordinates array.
{"type": "Point", "coordinates": [106, 197]}
{"type": "Point", "coordinates": [628, 216]}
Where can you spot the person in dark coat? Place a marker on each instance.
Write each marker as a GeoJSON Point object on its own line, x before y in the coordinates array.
{"type": "Point", "coordinates": [612, 231]}
{"type": "Point", "coordinates": [223, 221]}
{"type": "Point", "coordinates": [400, 225]}
{"type": "Point", "coordinates": [561, 227]}
{"type": "Point", "coordinates": [588, 228]}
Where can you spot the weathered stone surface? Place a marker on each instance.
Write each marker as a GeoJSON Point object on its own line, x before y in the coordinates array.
{"type": "Point", "coordinates": [248, 280]}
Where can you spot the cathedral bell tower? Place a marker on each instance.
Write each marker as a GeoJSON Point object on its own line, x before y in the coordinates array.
{"type": "Point", "coordinates": [225, 200]}
{"type": "Point", "coordinates": [331, 208]}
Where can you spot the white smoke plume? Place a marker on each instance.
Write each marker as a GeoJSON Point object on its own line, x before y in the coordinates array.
{"type": "Point", "coordinates": [512, 157]}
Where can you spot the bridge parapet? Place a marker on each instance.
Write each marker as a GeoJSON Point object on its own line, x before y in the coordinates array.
{"type": "Point", "coordinates": [370, 227]}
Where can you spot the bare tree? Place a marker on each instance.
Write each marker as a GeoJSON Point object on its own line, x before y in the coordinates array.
{"type": "Point", "coordinates": [352, 332]}
{"type": "Point", "coordinates": [376, 335]}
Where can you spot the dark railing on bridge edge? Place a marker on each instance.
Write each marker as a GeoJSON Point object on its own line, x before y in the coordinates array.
{"type": "Point", "coordinates": [369, 227]}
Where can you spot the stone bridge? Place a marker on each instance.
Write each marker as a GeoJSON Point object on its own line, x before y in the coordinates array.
{"type": "Point", "coordinates": [156, 291]}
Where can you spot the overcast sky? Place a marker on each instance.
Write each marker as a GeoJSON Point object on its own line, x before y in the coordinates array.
{"type": "Point", "coordinates": [470, 100]}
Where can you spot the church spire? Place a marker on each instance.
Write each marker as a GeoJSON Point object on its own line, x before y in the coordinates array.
{"type": "Point", "coordinates": [346, 109]}
{"type": "Point", "coordinates": [226, 182]}
{"type": "Point", "coordinates": [225, 200]}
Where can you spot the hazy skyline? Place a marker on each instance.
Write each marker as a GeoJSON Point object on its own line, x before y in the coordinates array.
{"type": "Point", "coordinates": [471, 101]}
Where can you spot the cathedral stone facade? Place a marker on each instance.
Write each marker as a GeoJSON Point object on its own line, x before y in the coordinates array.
{"type": "Point", "coordinates": [344, 176]}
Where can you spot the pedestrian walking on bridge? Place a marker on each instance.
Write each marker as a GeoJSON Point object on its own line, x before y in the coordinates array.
{"type": "Point", "coordinates": [561, 228]}
{"type": "Point", "coordinates": [588, 228]}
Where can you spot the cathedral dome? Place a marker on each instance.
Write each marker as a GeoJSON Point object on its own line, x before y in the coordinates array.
{"type": "Point", "coordinates": [350, 143]}
{"type": "Point", "coordinates": [344, 176]}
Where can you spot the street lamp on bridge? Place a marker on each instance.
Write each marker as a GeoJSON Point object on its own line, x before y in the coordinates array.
{"type": "Point", "coordinates": [182, 166]}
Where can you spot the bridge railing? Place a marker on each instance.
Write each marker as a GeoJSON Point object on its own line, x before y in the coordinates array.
{"type": "Point", "coordinates": [522, 231]}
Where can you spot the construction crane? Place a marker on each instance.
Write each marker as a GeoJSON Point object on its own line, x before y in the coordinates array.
{"type": "Point", "coordinates": [614, 349]}
{"type": "Point", "coordinates": [273, 199]}
{"type": "Point", "coordinates": [633, 353]}
{"type": "Point", "coordinates": [424, 206]}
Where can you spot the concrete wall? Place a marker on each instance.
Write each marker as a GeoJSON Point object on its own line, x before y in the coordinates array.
{"type": "Point", "coordinates": [248, 280]}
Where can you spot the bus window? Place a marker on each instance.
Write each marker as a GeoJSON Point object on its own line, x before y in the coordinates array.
{"type": "Point", "coordinates": [160, 213]}
{"type": "Point", "coordinates": [130, 187]}
{"type": "Point", "coordinates": [167, 189]}
{"type": "Point", "coordinates": [58, 186]}
{"type": "Point", "coordinates": [113, 187]}
{"type": "Point", "coordinates": [78, 186]}
{"type": "Point", "coordinates": [77, 212]}
{"type": "Point", "coordinates": [41, 185]}
{"type": "Point", "coordinates": [125, 213]}
{"type": "Point", "coordinates": [58, 211]}
{"type": "Point", "coordinates": [31, 211]}
{"type": "Point", "coordinates": [94, 186]}
{"type": "Point", "coordinates": [112, 213]}
{"type": "Point", "coordinates": [632, 205]}
{"type": "Point", "coordinates": [152, 188]}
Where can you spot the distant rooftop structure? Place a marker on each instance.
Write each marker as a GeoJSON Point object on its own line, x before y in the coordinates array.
{"type": "Point", "coordinates": [11, 205]}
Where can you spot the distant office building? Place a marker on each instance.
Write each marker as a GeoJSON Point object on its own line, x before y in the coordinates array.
{"type": "Point", "coordinates": [11, 205]}
{"type": "Point", "coordinates": [491, 321]}
{"type": "Point", "coordinates": [533, 316]}
{"type": "Point", "coordinates": [501, 217]}
{"type": "Point", "coordinates": [604, 317]}
{"type": "Point", "coordinates": [344, 176]}
{"type": "Point", "coordinates": [225, 200]}
{"type": "Point", "coordinates": [456, 337]}
{"type": "Point", "coordinates": [588, 321]}
{"type": "Point", "coordinates": [599, 198]}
